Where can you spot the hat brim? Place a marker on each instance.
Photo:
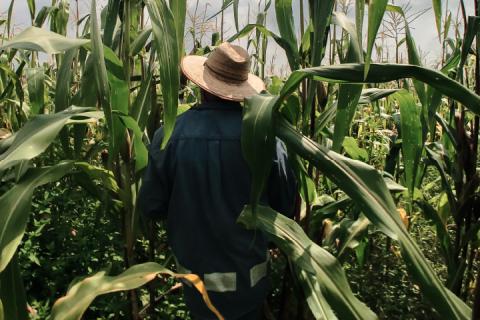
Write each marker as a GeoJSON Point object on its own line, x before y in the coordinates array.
{"type": "Point", "coordinates": [194, 69]}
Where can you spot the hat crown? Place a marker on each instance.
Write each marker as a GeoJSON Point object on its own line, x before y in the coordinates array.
{"type": "Point", "coordinates": [229, 63]}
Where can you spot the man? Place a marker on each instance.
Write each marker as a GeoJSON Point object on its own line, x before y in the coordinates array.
{"type": "Point", "coordinates": [200, 183]}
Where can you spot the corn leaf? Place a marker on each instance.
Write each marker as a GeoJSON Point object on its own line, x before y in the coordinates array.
{"type": "Point", "coordinates": [353, 73]}
{"type": "Point", "coordinates": [38, 39]}
{"type": "Point", "coordinates": [412, 136]}
{"type": "Point", "coordinates": [101, 77]}
{"type": "Point", "coordinates": [16, 203]}
{"type": "Point", "coordinates": [366, 187]}
{"type": "Point", "coordinates": [165, 35]}
{"type": "Point", "coordinates": [12, 292]}
{"type": "Point", "coordinates": [36, 88]}
{"type": "Point", "coordinates": [286, 26]}
{"type": "Point", "coordinates": [437, 9]}
{"type": "Point", "coordinates": [179, 11]}
{"type": "Point", "coordinates": [81, 295]}
{"type": "Point", "coordinates": [313, 294]}
{"type": "Point", "coordinates": [376, 10]}
{"type": "Point", "coordinates": [258, 141]}
{"type": "Point", "coordinates": [311, 258]}
{"type": "Point", "coordinates": [140, 41]}
{"type": "Point", "coordinates": [37, 134]}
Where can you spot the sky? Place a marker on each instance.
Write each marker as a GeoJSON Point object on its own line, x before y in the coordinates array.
{"type": "Point", "coordinates": [423, 29]}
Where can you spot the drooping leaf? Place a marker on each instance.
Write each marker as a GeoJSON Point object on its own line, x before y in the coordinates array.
{"type": "Point", "coordinates": [81, 295]}
{"type": "Point", "coordinates": [16, 204]}
{"type": "Point", "coordinates": [38, 39]}
{"type": "Point", "coordinates": [311, 258]}
{"type": "Point", "coordinates": [36, 135]}
{"type": "Point", "coordinates": [364, 185]}
{"type": "Point", "coordinates": [353, 73]}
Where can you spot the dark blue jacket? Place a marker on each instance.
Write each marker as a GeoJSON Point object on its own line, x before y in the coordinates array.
{"type": "Point", "coordinates": [200, 184]}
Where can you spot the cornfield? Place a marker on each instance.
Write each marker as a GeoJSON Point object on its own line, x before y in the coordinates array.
{"type": "Point", "coordinates": [384, 148]}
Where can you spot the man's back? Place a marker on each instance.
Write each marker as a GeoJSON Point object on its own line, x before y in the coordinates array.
{"type": "Point", "coordinates": [200, 183]}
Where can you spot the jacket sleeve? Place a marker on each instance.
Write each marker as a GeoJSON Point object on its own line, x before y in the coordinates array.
{"type": "Point", "coordinates": [154, 193]}
{"type": "Point", "coordinates": [282, 186]}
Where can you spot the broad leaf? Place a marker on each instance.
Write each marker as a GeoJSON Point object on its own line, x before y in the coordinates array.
{"type": "Point", "coordinates": [366, 187]}
{"type": "Point", "coordinates": [258, 141]}
{"type": "Point", "coordinates": [311, 258]}
{"type": "Point", "coordinates": [411, 131]}
{"type": "Point", "coordinates": [36, 88]}
{"type": "Point", "coordinates": [353, 73]}
{"type": "Point", "coordinates": [38, 39]}
{"type": "Point", "coordinates": [37, 134]}
{"type": "Point", "coordinates": [81, 295]}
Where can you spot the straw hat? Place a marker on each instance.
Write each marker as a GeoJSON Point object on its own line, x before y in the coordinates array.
{"type": "Point", "coordinates": [225, 73]}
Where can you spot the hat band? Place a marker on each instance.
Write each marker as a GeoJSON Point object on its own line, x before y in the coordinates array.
{"type": "Point", "coordinates": [224, 77]}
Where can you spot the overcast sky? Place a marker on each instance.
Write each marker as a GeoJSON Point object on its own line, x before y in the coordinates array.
{"type": "Point", "coordinates": [423, 29]}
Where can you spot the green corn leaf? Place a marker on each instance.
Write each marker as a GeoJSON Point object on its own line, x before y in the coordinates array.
{"type": "Point", "coordinates": [31, 8]}
{"type": "Point", "coordinates": [12, 292]}
{"type": "Point", "coordinates": [412, 136]}
{"type": "Point", "coordinates": [235, 14]}
{"type": "Point", "coordinates": [292, 54]}
{"type": "Point", "coordinates": [36, 88]}
{"type": "Point", "coordinates": [16, 203]}
{"type": "Point", "coordinates": [165, 35]}
{"type": "Point", "coordinates": [101, 77]}
{"type": "Point", "coordinates": [413, 56]}
{"type": "Point", "coordinates": [353, 73]}
{"type": "Point", "coordinates": [81, 295]}
{"type": "Point", "coordinates": [142, 102]}
{"type": "Point", "coordinates": [258, 141]}
{"type": "Point", "coordinates": [41, 17]}
{"type": "Point", "coordinates": [285, 23]}
{"type": "Point", "coordinates": [437, 9]}
{"type": "Point", "coordinates": [311, 258]}
{"type": "Point", "coordinates": [64, 81]}
{"type": "Point", "coordinates": [366, 187]}
{"type": "Point", "coordinates": [376, 10]}
{"type": "Point", "coordinates": [141, 153]}
{"type": "Point", "coordinates": [348, 94]}
{"type": "Point", "coordinates": [37, 134]}
{"type": "Point", "coordinates": [473, 27]}
{"type": "Point", "coordinates": [38, 39]}
{"type": "Point", "coordinates": [359, 17]}
{"type": "Point", "coordinates": [111, 10]}
{"type": "Point", "coordinates": [139, 43]}
{"type": "Point", "coordinates": [179, 11]}
{"type": "Point", "coordinates": [313, 294]}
